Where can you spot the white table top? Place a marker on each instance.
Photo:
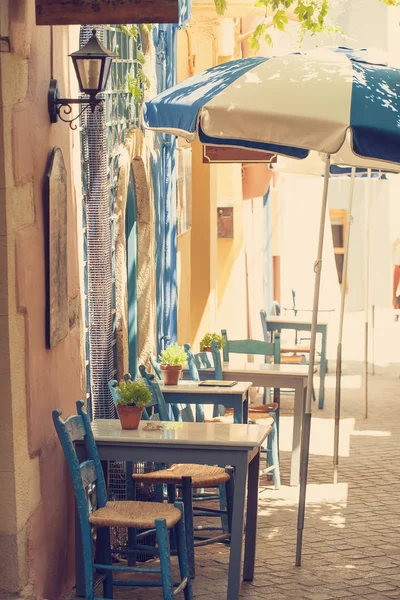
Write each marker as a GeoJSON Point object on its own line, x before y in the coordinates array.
{"type": "Point", "coordinates": [185, 434]}
{"type": "Point", "coordinates": [262, 368]}
{"type": "Point", "coordinates": [190, 387]}
{"type": "Point", "coordinates": [294, 320]}
{"type": "Point", "coordinates": [254, 367]}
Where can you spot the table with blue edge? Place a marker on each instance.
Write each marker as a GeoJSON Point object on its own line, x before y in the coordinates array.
{"type": "Point", "coordinates": [190, 392]}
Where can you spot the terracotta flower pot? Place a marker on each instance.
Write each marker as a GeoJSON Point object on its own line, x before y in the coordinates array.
{"type": "Point", "coordinates": [129, 416]}
{"type": "Point", "coordinates": [171, 374]}
{"type": "Point", "coordinates": [207, 349]}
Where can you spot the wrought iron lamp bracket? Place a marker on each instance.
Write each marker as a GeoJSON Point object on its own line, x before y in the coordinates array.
{"type": "Point", "coordinates": [59, 108]}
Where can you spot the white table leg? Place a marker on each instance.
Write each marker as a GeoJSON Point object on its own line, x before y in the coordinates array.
{"type": "Point", "coordinates": [297, 425]}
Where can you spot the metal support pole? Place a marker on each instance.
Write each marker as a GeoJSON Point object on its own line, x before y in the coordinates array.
{"type": "Point", "coordinates": [305, 441]}
{"type": "Point", "coordinates": [349, 222]}
{"type": "Point", "coordinates": [366, 292]}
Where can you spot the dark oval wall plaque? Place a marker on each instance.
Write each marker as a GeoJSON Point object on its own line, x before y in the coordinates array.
{"type": "Point", "coordinates": [55, 201]}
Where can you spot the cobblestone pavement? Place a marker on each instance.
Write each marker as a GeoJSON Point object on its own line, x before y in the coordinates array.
{"type": "Point", "coordinates": [351, 543]}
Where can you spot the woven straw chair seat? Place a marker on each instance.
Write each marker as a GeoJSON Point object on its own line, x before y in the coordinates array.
{"type": "Point", "coordinates": [296, 349]}
{"type": "Point", "coordinates": [202, 475]}
{"type": "Point", "coordinates": [135, 514]}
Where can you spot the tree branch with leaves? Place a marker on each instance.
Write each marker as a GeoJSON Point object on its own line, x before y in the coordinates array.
{"type": "Point", "coordinates": [312, 16]}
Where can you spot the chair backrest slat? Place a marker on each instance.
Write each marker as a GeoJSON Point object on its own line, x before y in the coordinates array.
{"type": "Point", "coordinates": [88, 473]}
{"type": "Point", "coordinates": [196, 362]}
{"type": "Point", "coordinates": [193, 368]}
{"type": "Point", "coordinates": [217, 360]}
{"type": "Point", "coordinates": [156, 367]}
{"type": "Point", "coordinates": [203, 360]}
{"type": "Point", "coordinates": [93, 455]}
{"type": "Point", "coordinates": [112, 385]}
{"type": "Point", "coordinates": [74, 427]}
{"type": "Point", "coordinates": [158, 398]}
{"type": "Point", "coordinates": [258, 347]}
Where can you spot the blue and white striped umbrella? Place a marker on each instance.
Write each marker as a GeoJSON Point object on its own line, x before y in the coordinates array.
{"type": "Point", "coordinates": [333, 101]}
{"type": "Point", "coordinates": [329, 100]}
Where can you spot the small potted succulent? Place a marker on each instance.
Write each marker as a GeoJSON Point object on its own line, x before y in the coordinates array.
{"type": "Point", "coordinates": [172, 359]}
{"type": "Point", "coordinates": [208, 339]}
{"type": "Point", "coordinates": [133, 397]}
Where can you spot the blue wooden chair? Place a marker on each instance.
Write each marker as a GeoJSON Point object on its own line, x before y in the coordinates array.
{"type": "Point", "coordinates": [189, 477]}
{"type": "Point", "coordinates": [257, 413]}
{"type": "Point", "coordinates": [196, 362]}
{"type": "Point", "coordinates": [258, 347]}
{"type": "Point", "coordinates": [94, 510]}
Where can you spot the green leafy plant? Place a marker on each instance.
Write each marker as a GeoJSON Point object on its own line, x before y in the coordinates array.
{"type": "Point", "coordinates": [173, 355]}
{"type": "Point", "coordinates": [133, 393]}
{"type": "Point", "coordinates": [209, 338]}
{"type": "Point", "coordinates": [138, 83]}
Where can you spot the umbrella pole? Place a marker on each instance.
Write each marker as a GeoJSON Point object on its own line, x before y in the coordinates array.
{"type": "Point", "coordinates": [374, 192]}
{"type": "Point", "coordinates": [349, 222]}
{"type": "Point", "coordinates": [305, 438]}
{"type": "Point", "coordinates": [366, 293]}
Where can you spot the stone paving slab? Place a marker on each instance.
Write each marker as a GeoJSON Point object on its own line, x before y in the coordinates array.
{"type": "Point", "coordinates": [352, 535]}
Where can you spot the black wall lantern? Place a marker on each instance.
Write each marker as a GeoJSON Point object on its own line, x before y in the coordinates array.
{"type": "Point", "coordinates": [92, 65]}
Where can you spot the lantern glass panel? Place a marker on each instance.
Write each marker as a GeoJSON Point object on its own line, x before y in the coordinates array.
{"type": "Point", "coordinates": [106, 72]}
{"type": "Point", "coordinates": [89, 73]}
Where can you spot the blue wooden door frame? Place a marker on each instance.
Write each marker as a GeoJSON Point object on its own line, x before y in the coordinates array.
{"type": "Point", "coordinates": [131, 266]}
{"type": "Point", "coordinates": [164, 178]}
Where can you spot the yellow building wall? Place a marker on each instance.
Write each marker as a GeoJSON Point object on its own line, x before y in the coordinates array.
{"type": "Point", "coordinates": [212, 280]}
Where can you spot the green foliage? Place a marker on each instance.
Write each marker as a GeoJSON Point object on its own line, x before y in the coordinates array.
{"type": "Point", "coordinates": [220, 6]}
{"type": "Point", "coordinates": [391, 2]}
{"type": "Point", "coordinates": [173, 355]}
{"type": "Point", "coordinates": [133, 393]}
{"type": "Point", "coordinates": [139, 83]}
{"type": "Point", "coordinates": [209, 338]}
{"type": "Point", "coordinates": [312, 16]}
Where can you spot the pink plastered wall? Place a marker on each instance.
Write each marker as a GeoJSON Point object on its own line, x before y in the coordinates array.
{"type": "Point", "coordinates": [53, 378]}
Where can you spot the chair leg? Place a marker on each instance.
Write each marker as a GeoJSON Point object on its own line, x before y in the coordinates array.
{"type": "Point", "coordinates": [224, 491]}
{"type": "Point", "coordinates": [187, 498]}
{"type": "Point", "coordinates": [165, 559]}
{"type": "Point", "coordinates": [277, 399]}
{"type": "Point", "coordinates": [313, 394]}
{"type": "Point", "coordinates": [182, 552]}
{"type": "Point", "coordinates": [171, 489]}
{"type": "Point", "coordinates": [222, 506]}
{"type": "Point", "coordinates": [105, 558]}
{"type": "Point", "coordinates": [219, 410]}
{"type": "Point", "coordinates": [229, 488]}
